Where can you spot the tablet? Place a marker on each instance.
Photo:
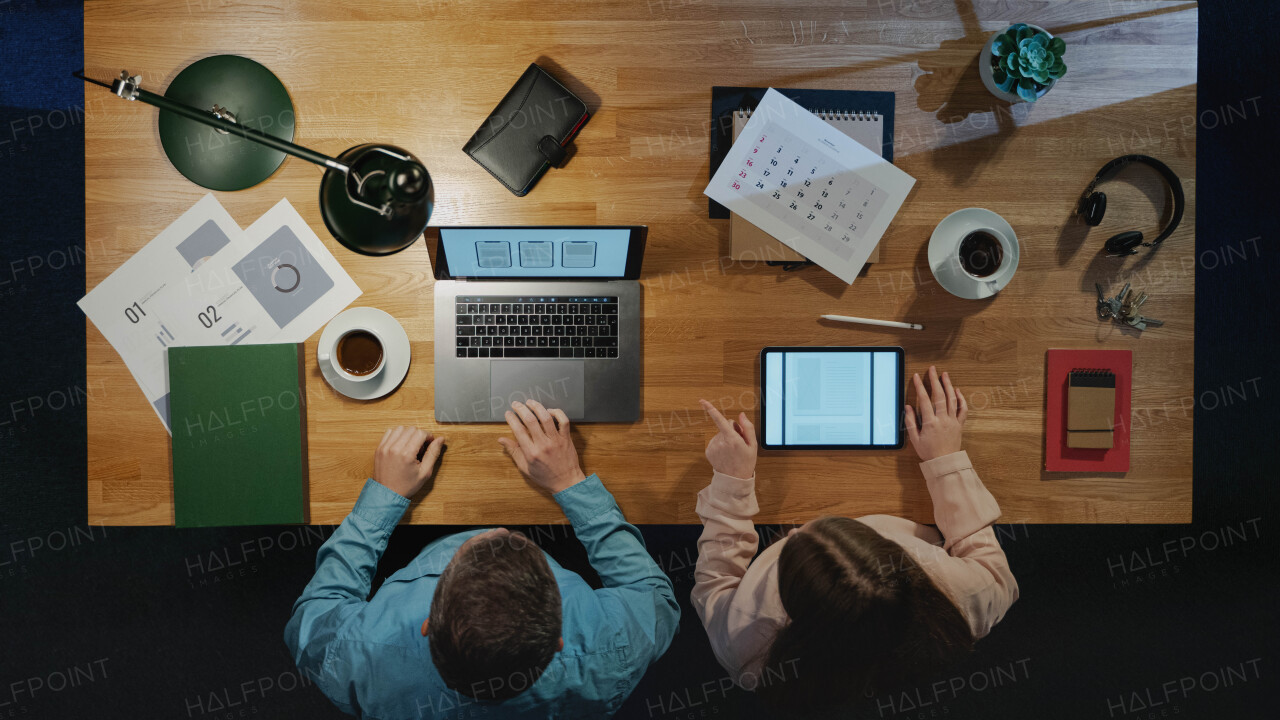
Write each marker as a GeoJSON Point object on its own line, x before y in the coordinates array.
{"type": "Point", "coordinates": [828, 398]}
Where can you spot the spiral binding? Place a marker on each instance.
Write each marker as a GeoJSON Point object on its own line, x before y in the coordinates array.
{"type": "Point", "coordinates": [1092, 372]}
{"type": "Point", "coordinates": [836, 115]}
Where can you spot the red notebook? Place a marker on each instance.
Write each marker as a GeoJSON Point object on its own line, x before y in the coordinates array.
{"type": "Point", "coordinates": [1057, 456]}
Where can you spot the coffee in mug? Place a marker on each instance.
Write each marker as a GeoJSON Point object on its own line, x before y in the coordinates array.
{"type": "Point", "coordinates": [359, 352]}
{"type": "Point", "coordinates": [981, 253]}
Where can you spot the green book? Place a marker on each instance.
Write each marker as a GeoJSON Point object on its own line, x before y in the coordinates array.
{"type": "Point", "coordinates": [238, 416]}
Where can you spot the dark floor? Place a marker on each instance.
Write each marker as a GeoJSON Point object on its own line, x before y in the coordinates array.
{"type": "Point", "coordinates": [1114, 622]}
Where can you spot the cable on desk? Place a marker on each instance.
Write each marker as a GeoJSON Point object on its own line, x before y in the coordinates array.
{"type": "Point", "coordinates": [80, 74]}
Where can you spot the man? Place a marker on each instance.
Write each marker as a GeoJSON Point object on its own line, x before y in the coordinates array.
{"type": "Point", "coordinates": [482, 623]}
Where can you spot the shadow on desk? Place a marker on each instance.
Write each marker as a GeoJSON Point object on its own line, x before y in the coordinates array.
{"type": "Point", "coordinates": [942, 328]}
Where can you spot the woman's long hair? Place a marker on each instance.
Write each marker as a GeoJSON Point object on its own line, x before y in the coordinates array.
{"type": "Point", "coordinates": [863, 617]}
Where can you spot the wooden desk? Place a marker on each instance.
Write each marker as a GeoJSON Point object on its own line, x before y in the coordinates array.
{"type": "Point", "coordinates": [424, 74]}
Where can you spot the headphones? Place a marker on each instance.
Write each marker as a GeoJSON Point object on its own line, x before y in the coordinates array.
{"type": "Point", "coordinates": [1093, 205]}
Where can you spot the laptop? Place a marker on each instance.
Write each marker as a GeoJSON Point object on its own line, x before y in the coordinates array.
{"type": "Point", "coordinates": [549, 313]}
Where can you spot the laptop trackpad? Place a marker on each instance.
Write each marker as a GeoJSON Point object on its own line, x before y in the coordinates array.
{"type": "Point", "coordinates": [554, 383]}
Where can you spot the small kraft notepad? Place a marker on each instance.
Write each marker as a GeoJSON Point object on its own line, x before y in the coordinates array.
{"type": "Point", "coordinates": [809, 185]}
{"type": "Point", "coordinates": [1091, 405]}
{"type": "Point", "coordinates": [238, 417]}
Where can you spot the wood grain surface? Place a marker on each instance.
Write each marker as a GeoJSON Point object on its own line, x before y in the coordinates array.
{"type": "Point", "coordinates": [424, 75]}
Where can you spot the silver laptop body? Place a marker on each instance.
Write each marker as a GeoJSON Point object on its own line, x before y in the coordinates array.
{"type": "Point", "coordinates": [573, 343]}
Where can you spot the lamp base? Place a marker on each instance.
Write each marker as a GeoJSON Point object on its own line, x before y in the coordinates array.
{"type": "Point", "coordinates": [359, 227]}
{"type": "Point", "coordinates": [241, 90]}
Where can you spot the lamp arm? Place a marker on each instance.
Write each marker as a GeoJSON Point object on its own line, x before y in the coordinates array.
{"type": "Point", "coordinates": [128, 87]}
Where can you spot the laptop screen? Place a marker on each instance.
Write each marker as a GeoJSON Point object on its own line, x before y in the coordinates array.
{"type": "Point", "coordinates": [536, 252]}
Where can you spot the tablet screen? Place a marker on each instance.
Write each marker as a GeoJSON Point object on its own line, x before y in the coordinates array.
{"type": "Point", "coordinates": [832, 397]}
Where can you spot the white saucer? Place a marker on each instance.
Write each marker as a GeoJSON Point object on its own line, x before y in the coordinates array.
{"type": "Point", "coordinates": [396, 347]}
{"type": "Point", "coordinates": [945, 242]}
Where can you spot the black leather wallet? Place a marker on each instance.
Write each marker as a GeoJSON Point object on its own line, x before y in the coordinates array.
{"type": "Point", "coordinates": [528, 131]}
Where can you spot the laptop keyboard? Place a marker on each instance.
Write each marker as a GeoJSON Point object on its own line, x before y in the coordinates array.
{"type": "Point", "coordinates": [537, 327]}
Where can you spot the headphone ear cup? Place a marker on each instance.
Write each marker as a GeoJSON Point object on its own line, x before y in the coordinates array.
{"type": "Point", "coordinates": [1092, 207]}
{"type": "Point", "coordinates": [1126, 243]}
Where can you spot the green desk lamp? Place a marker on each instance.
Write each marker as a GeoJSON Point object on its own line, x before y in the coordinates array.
{"type": "Point", "coordinates": [375, 199]}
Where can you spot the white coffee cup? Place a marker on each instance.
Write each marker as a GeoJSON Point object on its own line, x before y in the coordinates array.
{"type": "Point", "coordinates": [330, 355]}
{"type": "Point", "coordinates": [983, 274]}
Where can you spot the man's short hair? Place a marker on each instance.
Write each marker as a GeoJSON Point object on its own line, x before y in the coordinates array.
{"type": "Point", "coordinates": [495, 618]}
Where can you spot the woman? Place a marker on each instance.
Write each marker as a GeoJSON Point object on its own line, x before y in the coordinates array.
{"type": "Point", "coordinates": [840, 607]}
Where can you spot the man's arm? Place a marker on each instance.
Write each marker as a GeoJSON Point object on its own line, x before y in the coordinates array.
{"type": "Point", "coordinates": [346, 561]}
{"type": "Point", "coordinates": [637, 595]}
{"type": "Point", "coordinates": [344, 574]}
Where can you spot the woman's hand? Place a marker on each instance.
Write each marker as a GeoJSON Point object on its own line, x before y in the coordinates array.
{"type": "Point", "coordinates": [733, 450]}
{"type": "Point", "coordinates": [934, 426]}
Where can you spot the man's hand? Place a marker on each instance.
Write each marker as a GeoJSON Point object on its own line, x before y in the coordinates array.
{"type": "Point", "coordinates": [542, 449]}
{"type": "Point", "coordinates": [733, 450]}
{"type": "Point", "coordinates": [934, 427]}
{"type": "Point", "coordinates": [396, 463]}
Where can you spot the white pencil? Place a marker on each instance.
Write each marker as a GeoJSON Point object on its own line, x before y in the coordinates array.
{"type": "Point", "coordinates": [868, 321]}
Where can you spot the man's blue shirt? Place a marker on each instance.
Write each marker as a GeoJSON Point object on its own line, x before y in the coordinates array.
{"type": "Point", "coordinates": [370, 658]}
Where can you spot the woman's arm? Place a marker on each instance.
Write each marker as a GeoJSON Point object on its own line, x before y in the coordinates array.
{"type": "Point", "coordinates": [980, 579]}
{"type": "Point", "coordinates": [729, 538]}
{"type": "Point", "coordinates": [982, 583]}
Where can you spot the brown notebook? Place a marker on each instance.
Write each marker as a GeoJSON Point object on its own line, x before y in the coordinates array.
{"type": "Point", "coordinates": [1091, 406]}
{"type": "Point", "coordinates": [748, 242]}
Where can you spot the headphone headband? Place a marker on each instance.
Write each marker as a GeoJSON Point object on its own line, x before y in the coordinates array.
{"type": "Point", "coordinates": [1170, 177]}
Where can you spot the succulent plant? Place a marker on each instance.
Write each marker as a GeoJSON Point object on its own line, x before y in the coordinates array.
{"type": "Point", "coordinates": [1026, 61]}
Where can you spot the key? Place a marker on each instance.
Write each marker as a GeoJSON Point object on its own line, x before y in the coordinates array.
{"type": "Point", "coordinates": [1115, 304]}
{"type": "Point", "coordinates": [1141, 323]}
{"type": "Point", "coordinates": [1104, 305]}
{"type": "Point", "coordinates": [1132, 306]}
{"type": "Point", "coordinates": [1132, 313]}
{"type": "Point", "coordinates": [532, 352]}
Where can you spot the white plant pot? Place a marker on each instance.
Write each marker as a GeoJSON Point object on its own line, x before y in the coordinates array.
{"type": "Point", "coordinates": [988, 79]}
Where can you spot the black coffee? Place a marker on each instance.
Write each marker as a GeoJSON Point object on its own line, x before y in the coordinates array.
{"type": "Point", "coordinates": [359, 352]}
{"type": "Point", "coordinates": [981, 253]}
